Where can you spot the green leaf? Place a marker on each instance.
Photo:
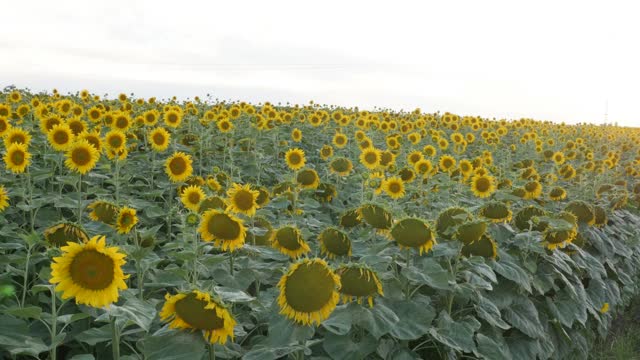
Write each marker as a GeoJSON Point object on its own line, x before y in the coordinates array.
{"type": "Point", "coordinates": [139, 312]}
{"type": "Point", "coordinates": [456, 335]}
{"type": "Point", "coordinates": [232, 295]}
{"type": "Point", "coordinates": [415, 317]}
{"type": "Point", "coordinates": [491, 349]}
{"type": "Point", "coordinates": [16, 339]}
{"type": "Point", "coordinates": [339, 322]}
{"type": "Point", "coordinates": [29, 312]}
{"type": "Point", "coordinates": [271, 353]}
{"type": "Point", "coordinates": [490, 312]}
{"type": "Point", "coordinates": [378, 320]}
{"type": "Point", "coordinates": [430, 273]}
{"type": "Point", "coordinates": [345, 347]}
{"type": "Point", "coordinates": [523, 315]}
{"type": "Point", "coordinates": [82, 357]}
{"type": "Point", "coordinates": [95, 335]}
{"type": "Point", "coordinates": [513, 272]}
{"type": "Point", "coordinates": [174, 345]}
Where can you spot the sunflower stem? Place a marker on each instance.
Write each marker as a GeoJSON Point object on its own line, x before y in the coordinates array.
{"type": "Point", "coordinates": [231, 255]}
{"type": "Point", "coordinates": [212, 351]}
{"type": "Point", "coordinates": [195, 258]}
{"type": "Point", "coordinates": [54, 325]}
{"type": "Point", "coordinates": [79, 190]}
{"type": "Point", "coordinates": [26, 275]}
{"type": "Point", "coordinates": [115, 336]}
{"type": "Point", "coordinates": [117, 180]}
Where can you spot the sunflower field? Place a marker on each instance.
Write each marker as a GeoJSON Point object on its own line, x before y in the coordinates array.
{"type": "Point", "coordinates": [138, 228]}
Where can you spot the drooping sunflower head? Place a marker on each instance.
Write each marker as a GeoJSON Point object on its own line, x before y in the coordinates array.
{"type": "Point", "coordinates": [359, 282]}
{"type": "Point", "coordinates": [376, 216]}
{"type": "Point", "coordinates": [211, 202]}
{"type": "Point", "coordinates": [308, 292]}
{"type": "Point", "coordinates": [334, 243]}
{"type": "Point", "coordinates": [178, 166]}
{"type": "Point", "coordinates": [341, 166]}
{"type": "Point", "coordinates": [62, 233]}
{"type": "Point", "coordinates": [325, 192]}
{"type": "Point", "coordinates": [471, 231]}
{"type": "Point", "coordinates": [192, 196]}
{"type": "Point", "coordinates": [104, 211]}
{"type": "Point", "coordinates": [196, 310]}
{"type": "Point", "coordinates": [223, 228]}
{"type": "Point", "coordinates": [483, 186]}
{"type": "Point", "coordinates": [525, 218]}
{"type": "Point", "coordinates": [126, 220]}
{"type": "Point", "coordinates": [4, 198]}
{"type": "Point", "coordinates": [600, 216]}
{"type": "Point", "coordinates": [242, 199]}
{"type": "Point", "coordinates": [485, 247]}
{"type": "Point", "coordinates": [496, 211]}
{"type": "Point", "coordinates": [557, 193]}
{"type": "Point", "coordinates": [449, 220]}
{"type": "Point", "coordinates": [288, 240]}
{"type": "Point", "coordinates": [533, 190]}
{"type": "Point", "coordinates": [295, 158]}
{"type": "Point", "coordinates": [558, 236]}
{"type": "Point", "coordinates": [350, 218]}
{"type": "Point", "coordinates": [17, 158]}
{"type": "Point", "coordinates": [582, 210]}
{"type": "Point", "coordinates": [263, 196]}
{"type": "Point", "coordinates": [91, 272]}
{"type": "Point", "coordinates": [413, 233]}
{"type": "Point", "coordinates": [308, 179]}
{"type": "Point", "coordinates": [261, 232]}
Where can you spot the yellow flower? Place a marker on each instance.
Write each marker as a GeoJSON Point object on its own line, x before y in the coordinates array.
{"type": "Point", "coordinates": [60, 137]}
{"type": "Point", "coordinates": [605, 308]}
{"type": "Point", "coordinates": [308, 179]}
{"type": "Point", "coordinates": [223, 228]}
{"type": "Point", "coordinates": [341, 166]}
{"type": "Point", "coordinates": [91, 272]}
{"type": "Point", "coordinates": [197, 311]}
{"type": "Point", "coordinates": [533, 190]}
{"type": "Point", "coordinates": [413, 233]}
{"type": "Point", "coordinates": [17, 158]}
{"type": "Point", "coordinates": [115, 140]}
{"type": "Point", "coordinates": [360, 283]}
{"type": "Point", "coordinates": [192, 196]}
{"type": "Point", "coordinates": [370, 158]}
{"type": "Point", "coordinates": [4, 198]}
{"type": "Point", "coordinates": [295, 159]}
{"type": "Point", "coordinates": [296, 135]}
{"type": "Point", "coordinates": [334, 243]}
{"type": "Point", "coordinates": [178, 167]}
{"type": "Point", "coordinates": [242, 199]}
{"type": "Point", "coordinates": [289, 241]}
{"type": "Point", "coordinates": [16, 135]}
{"type": "Point", "coordinates": [308, 292]}
{"type": "Point", "coordinates": [394, 187]}
{"type": "Point", "coordinates": [81, 157]}
{"type": "Point", "coordinates": [340, 140]}
{"type": "Point", "coordinates": [225, 125]}
{"type": "Point", "coordinates": [483, 186]}
{"type": "Point", "coordinates": [173, 118]}
{"type": "Point", "coordinates": [126, 220]}
{"type": "Point", "coordinates": [159, 139]}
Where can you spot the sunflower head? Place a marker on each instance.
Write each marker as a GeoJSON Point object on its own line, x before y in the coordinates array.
{"type": "Point", "coordinates": [197, 310]}
{"type": "Point", "coordinates": [483, 186]}
{"type": "Point", "coordinates": [413, 233]}
{"type": "Point", "coordinates": [325, 192]}
{"type": "Point", "coordinates": [192, 196]}
{"type": "Point", "coordinates": [81, 156]}
{"type": "Point", "coordinates": [308, 292]}
{"type": "Point", "coordinates": [308, 179]}
{"type": "Point", "coordinates": [533, 190]}
{"type": "Point", "coordinates": [394, 187]}
{"type": "Point", "coordinates": [370, 158]}
{"type": "Point", "coordinates": [582, 210]}
{"type": "Point", "coordinates": [376, 216]}
{"type": "Point", "coordinates": [288, 240]}
{"type": "Point", "coordinates": [17, 158]}
{"type": "Point", "coordinates": [126, 220]}
{"type": "Point", "coordinates": [557, 193]}
{"type": "Point", "coordinates": [496, 211]}
{"type": "Point", "coordinates": [261, 232]}
{"type": "Point", "coordinates": [159, 139]}
{"type": "Point", "coordinates": [295, 159]}
{"type": "Point", "coordinates": [471, 231]}
{"type": "Point", "coordinates": [600, 216]}
{"type": "Point", "coordinates": [104, 211]}
{"type": "Point", "coordinates": [449, 220]}
{"type": "Point", "coordinates": [223, 228]}
{"type": "Point", "coordinates": [559, 236]}
{"type": "Point", "coordinates": [341, 166]}
{"type": "Point", "coordinates": [525, 218]}
{"type": "Point", "coordinates": [178, 167]}
{"type": "Point", "coordinates": [359, 282]}
{"type": "Point", "coordinates": [4, 198]}
{"type": "Point", "coordinates": [62, 233]}
{"type": "Point", "coordinates": [485, 246]}
{"type": "Point", "coordinates": [242, 199]}
{"type": "Point", "coordinates": [350, 218]}
{"type": "Point", "coordinates": [334, 243]}
{"type": "Point", "coordinates": [91, 272]}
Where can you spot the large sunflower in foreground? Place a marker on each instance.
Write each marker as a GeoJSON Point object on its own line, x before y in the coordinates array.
{"type": "Point", "coordinates": [242, 199]}
{"type": "Point", "coordinates": [17, 158]}
{"type": "Point", "coordinates": [226, 230]}
{"type": "Point", "coordinates": [178, 166]}
{"type": "Point", "coordinates": [91, 272]}
{"type": "Point", "coordinates": [308, 292]}
{"type": "Point", "coordinates": [196, 310]}
{"type": "Point", "coordinates": [81, 157]}
{"type": "Point", "coordinates": [295, 158]}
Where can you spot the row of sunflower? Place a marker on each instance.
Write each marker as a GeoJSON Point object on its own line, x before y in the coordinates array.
{"type": "Point", "coordinates": [270, 176]}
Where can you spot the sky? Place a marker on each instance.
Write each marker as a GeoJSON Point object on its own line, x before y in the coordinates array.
{"type": "Point", "coordinates": [571, 61]}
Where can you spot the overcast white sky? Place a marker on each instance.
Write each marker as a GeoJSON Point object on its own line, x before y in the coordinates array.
{"type": "Point", "coordinates": [550, 60]}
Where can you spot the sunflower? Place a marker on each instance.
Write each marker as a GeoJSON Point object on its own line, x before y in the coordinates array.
{"type": "Point", "coordinates": [558, 158]}
{"type": "Point", "coordinates": [173, 118]}
{"type": "Point", "coordinates": [192, 196]}
{"type": "Point", "coordinates": [242, 199]}
{"type": "Point", "coordinates": [151, 117]}
{"type": "Point", "coordinates": [261, 232]}
{"type": "Point", "coordinates": [423, 167]}
{"type": "Point", "coordinates": [449, 220]}
{"type": "Point", "coordinates": [17, 158]}
{"type": "Point", "coordinates": [126, 220]}
{"type": "Point", "coordinates": [557, 194]}
{"type": "Point", "coordinates": [226, 230]}
{"type": "Point", "coordinates": [370, 158]}
{"type": "Point", "coordinates": [4, 198]}
{"type": "Point", "coordinates": [413, 233]}
{"type": "Point", "coordinates": [104, 211]}
{"type": "Point", "coordinates": [308, 179]}
{"type": "Point", "coordinates": [308, 292]}
{"type": "Point", "coordinates": [326, 152]}
{"type": "Point", "coordinates": [334, 243]}
{"type": "Point", "coordinates": [526, 219]}
{"type": "Point", "coordinates": [225, 125]}
{"type": "Point", "coordinates": [81, 157]}
{"type": "Point", "coordinates": [16, 135]}
{"type": "Point", "coordinates": [483, 186]}
{"type": "Point", "coordinates": [77, 126]}
{"type": "Point", "coordinates": [394, 187]}
{"type": "Point", "coordinates": [559, 237]}
{"type": "Point", "coordinates": [196, 310]}
{"type": "Point", "coordinates": [295, 159]}
{"type": "Point", "coordinates": [358, 282]}
{"type": "Point", "coordinates": [485, 247]}
{"type": "Point", "coordinates": [159, 139]}
{"type": "Point", "coordinates": [582, 210]}
{"type": "Point", "coordinates": [341, 166]}
{"type": "Point", "coordinates": [414, 157]}
{"type": "Point", "coordinates": [496, 212]}
{"type": "Point", "coordinates": [325, 192]}
{"type": "Point", "coordinates": [60, 137]}
{"type": "Point", "coordinates": [340, 140]}
{"type": "Point", "coordinates": [211, 202]}
{"type": "Point", "coordinates": [533, 190]}
{"type": "Point", "coordinates": [471, 231]}
{"type": "Point", "coordinates": [5, 126]}
{"type": "Point", "coordinates": [213, 184]}
{"type": "Point", "coordinates": [350, 218]}
{"type": "Point", "coordinates": [116, 141]}
{"type": "Point", "coordinates": [178, 166]}
{"type": "Point", "coordinates": [296, 135]}
{"type": "Point", "coordinates": [263, 196]}
{"type": "Point", "coordinates": [61, 234]}
{"type": "Point", "coordinates": [376, 216]}
{"type": "Point", "coordinates": [289, 241]}
{"type": "Point", "coordinates": [446, 163]}
{"type": "Point", "coordinates": [600, 215]}
{"type": "Point", "coordinates": [91, 272]}
{"type": "Point", "coordinates": [93, 138]}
